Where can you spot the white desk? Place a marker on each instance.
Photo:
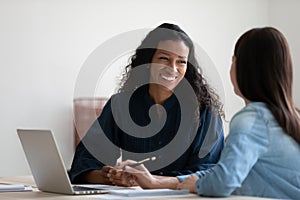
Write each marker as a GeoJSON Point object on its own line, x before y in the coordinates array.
{"type": "Point", "coordinates": [36, 194]}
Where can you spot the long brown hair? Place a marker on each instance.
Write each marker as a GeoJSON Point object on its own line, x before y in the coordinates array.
{"type": "Point", "coordinates": [264, 73]}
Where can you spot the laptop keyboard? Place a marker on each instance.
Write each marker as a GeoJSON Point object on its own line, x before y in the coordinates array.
{"type": "Point", "coordinates": [87, 190]}
{"type": "Point", "coordinates": [80, 188]}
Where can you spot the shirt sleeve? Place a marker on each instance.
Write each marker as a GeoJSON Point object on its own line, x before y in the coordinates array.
{"type": "Point", "coordinates": [246, 142]}
{"type": "Point", "coordinates": [83, 161]}
{"type": "Point", "coordinates": [208, 144]}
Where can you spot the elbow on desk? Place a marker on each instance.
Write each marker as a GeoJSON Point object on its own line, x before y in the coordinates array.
{"type": "Point", "coordinates": [215, 190]}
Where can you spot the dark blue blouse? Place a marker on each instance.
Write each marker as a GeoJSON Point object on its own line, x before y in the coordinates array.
{"type": "Point", "coordinates": [198, 149]}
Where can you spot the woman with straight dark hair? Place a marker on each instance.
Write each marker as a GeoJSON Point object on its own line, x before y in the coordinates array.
{"type": "Point", "coordinates": [261, 156]}
{"type": "Point", "coordinates": [264, 73]}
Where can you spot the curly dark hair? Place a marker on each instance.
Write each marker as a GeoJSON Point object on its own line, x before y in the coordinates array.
{"type": "Point", "coordinates": [206, 96]}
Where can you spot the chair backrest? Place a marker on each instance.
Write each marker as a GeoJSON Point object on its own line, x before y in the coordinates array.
{"type": "Point", "coordinates": [86, 110]}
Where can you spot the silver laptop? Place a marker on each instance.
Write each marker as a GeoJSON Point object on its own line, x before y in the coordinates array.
{"type": "Point", "coordinates": [46, 164]}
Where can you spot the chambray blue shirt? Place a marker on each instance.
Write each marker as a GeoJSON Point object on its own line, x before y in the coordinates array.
{"type": "Point", "coordinates": [199, 154]}
{"type": "Point", "coordinates": [259, 159]}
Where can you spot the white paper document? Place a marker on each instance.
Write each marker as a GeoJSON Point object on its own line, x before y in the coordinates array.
{"type": "Point", "coordinates": [148, 192]}
{"type": "Point", "coordinates": [15, 188]}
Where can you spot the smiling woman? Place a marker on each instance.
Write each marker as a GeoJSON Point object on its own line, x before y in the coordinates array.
{"type": "Point", "coordinates": [163, 108]}
{"type": "Point", "coordinates": [168, 68]}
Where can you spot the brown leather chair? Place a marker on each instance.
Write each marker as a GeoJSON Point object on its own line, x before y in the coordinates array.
{"type": "Point", "coordinates": [86, 110]}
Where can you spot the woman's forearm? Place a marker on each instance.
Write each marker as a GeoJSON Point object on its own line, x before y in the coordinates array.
{"type": "Point", "coordinates": [165, 182]}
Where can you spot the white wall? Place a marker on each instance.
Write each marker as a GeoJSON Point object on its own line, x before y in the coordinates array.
{"type": "Point", "coordinates": [285, 16]}
{"type": "Point", "coordinates": [43, 45]}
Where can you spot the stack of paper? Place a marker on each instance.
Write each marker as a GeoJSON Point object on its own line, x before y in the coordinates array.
{"type": "Point", "coordinates": [149, 192]}
{"type": "Point", "coordinates": [15, 188]}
